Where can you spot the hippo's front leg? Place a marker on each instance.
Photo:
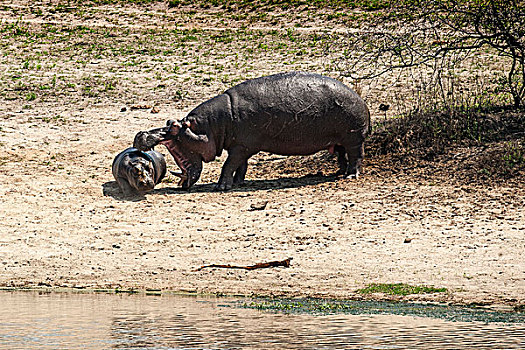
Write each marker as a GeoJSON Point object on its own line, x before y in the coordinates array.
{"type": "Point", "coordinates": [237, 162]}
{"type": "Point", "coordinates": [240, 173]}
{"type": "Point", "coordinates": [125, 186]}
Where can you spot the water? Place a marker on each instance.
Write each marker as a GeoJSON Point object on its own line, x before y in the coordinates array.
{"type": "Point", "coordinates": [31, 320]}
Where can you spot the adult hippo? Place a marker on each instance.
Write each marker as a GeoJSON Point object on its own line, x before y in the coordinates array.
{"type": "Point", "coordinates": [293, 113]}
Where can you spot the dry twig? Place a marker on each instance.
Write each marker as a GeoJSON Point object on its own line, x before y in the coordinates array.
{"type": "Point", "coordinates": [283, 263]}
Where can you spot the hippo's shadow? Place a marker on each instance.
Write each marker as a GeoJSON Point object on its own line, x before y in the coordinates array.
{"type": "Point", "coordinates": [112, 189]}
{"type": "Point", "coordinates": [254, 185]}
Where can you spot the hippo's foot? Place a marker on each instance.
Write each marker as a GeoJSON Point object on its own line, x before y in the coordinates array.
{"type": "Point", "coordinates": [240, 173]}
{"type": "Point", "coordinates": [352, 176]}
{"type": "Point", "coordinates": [128, 193]}
{"type": "Point", "coordinates": [234, 168]}
{"type": "Point", "coordinates": [238, 181]}
{"type": "Point", "coordinates": [125, 187]}
{"type": "Point", "coordinates": [354, 165]}
{"type": "Point", "coordinates": [223, 187]}
{"type": "Point", "coordinates": [225, 183]}
{"type": "Point", "coordinates": [340, 172]}
{"type": "Point", "coordinates": [352, 173]}
{"type": "Point", "coordinates": [348, 174]}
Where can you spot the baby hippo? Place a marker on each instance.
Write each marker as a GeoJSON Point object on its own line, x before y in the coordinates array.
{"type": "Point", "coordinates": [137, 171]}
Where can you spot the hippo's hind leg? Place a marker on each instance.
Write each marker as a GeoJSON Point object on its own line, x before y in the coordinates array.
{"type": "Point", "coordinates": [341, 160]}
{"type": "Point", "coordinates": [350, 155]}
{"type": "Point", "coordinates": [355, 159]}
{"type": "Point", "coordinates": [237, 161]}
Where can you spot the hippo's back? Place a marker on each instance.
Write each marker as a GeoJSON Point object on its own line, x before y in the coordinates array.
{"type": "Point", "coordinates": [295, 108]}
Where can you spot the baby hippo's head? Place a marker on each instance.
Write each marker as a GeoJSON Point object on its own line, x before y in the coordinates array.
{"type": "Point", "coordinates": [141, 174]}
{"type": "Point", "coordinates": [137, 171]}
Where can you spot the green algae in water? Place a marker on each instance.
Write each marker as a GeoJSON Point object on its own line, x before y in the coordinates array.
{"type": "Point", "coordinates": [399, 289]}
{"type": "Point", "coordinates": [324, 307]}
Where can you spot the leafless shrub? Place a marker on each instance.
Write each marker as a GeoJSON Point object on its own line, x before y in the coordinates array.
{"type": "Point", "coordinates": [444, 49]}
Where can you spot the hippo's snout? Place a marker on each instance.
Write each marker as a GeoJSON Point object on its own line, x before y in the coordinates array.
{"type": "Point", "coordinates": [140, 141]}
{"type": "Point", "coordinates": [146, 140]}
{"type": "Point", "coordinates": [145, 185]}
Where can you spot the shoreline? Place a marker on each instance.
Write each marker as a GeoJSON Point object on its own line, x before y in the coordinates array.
{"type": "Point", "coordinates": [381, 298]}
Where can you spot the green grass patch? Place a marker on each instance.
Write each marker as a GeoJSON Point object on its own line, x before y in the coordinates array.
{"type": "Point", "coordinates": [367, 5]}
{"type": "Point", "coordinates": [399, 289]}
{"type": "Point", "coordinates": [514, 155]}
{"type": "Point", "coordinates": [285, 4]}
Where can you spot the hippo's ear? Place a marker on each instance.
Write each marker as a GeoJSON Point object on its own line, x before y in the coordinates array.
{"type": "Point", "coordinates": [186, 131]}
{"type": "Point", "coordinates": [173, 126]}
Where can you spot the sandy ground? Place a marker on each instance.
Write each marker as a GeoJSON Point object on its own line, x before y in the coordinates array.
{"type": "Point", "coordinates": [65, 224]}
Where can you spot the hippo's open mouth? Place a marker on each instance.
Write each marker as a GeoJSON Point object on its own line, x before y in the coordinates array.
{"type": "Point", "coordinates": [180, 160]}
{"type": "Point", "coordinates": [190, 172]}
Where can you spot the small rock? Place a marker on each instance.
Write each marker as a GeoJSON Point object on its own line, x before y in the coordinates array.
{"type": "Point", "coordinates": [407, 240]}
{"type": "Point", "coordinates": [155, 110]}
{"type": "Point", "coordinates": [384, 107]}
{"type": "Point", "coordinates": [135, 107]}
{"type": "Point", "coordinates": [123, 109]}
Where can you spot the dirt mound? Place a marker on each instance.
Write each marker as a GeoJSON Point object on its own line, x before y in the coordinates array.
{"type": "Point", "coordinates": [460, 147]}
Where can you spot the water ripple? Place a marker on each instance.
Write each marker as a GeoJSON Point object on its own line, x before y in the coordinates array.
{"type": "Point", "coordinates": [91, 321]}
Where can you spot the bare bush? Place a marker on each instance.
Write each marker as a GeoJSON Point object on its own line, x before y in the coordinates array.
{"type": "Point", "coordinates": [438, 44]}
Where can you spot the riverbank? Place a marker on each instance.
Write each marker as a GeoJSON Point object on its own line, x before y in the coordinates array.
{"type": "Point", "coordinates": [67, 113]}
